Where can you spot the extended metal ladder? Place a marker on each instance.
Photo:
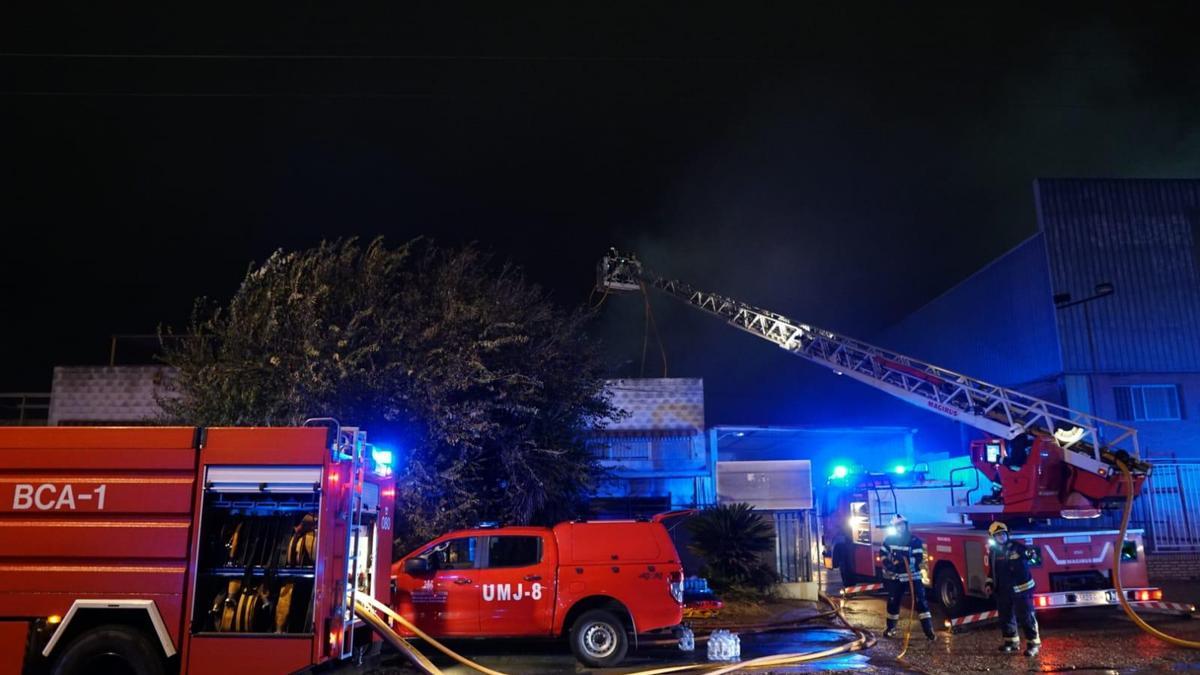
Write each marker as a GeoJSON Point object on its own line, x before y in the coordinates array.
{"type": "Point", "coordinates": [884, 491]}
{"type": "Point", "coordinates": [1003, 412]}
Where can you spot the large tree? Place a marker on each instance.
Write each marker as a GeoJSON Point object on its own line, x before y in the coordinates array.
{"type": "Point", "coordinates": [489, 385]}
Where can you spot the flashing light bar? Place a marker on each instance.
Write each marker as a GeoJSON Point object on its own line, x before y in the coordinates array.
{"type": "Point", "coordinates": [383, 461]}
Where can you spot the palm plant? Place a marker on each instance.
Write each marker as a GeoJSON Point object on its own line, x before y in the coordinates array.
{"type": "Point", "coordinates": [731, 539]}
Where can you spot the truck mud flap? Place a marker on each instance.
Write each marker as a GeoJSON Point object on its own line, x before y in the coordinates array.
{"type": "Point", "coordinates": [1164, 607]}
{"type": "Point", "coordinates": [861, 588]}
{"type": "Point", "coordinates": [955, 625]}
{"type": "Point", "coordinates": [1156, 606]}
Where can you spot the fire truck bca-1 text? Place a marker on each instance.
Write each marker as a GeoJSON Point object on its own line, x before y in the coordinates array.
{"type": "Point", "coordinates": [1040, 462]}
{"type": "Point", "coordinates": [219, 551]}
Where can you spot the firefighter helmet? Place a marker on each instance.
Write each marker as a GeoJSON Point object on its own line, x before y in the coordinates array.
{"type": "Point", "coordinates": [996, 528]}
{"type": "Point", "coordinates": [898, 520]}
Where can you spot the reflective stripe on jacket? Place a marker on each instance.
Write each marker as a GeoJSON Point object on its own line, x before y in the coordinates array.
{"type": "Point", "coordinates": [1010, 568]}
{"type": "Point", "coordinates": [894, 551]}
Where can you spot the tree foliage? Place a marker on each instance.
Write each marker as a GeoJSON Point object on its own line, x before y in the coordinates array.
{"type": "Point", "coordinates": [486, 382]}
{"type": "Point", "coordinates": [732, 540]}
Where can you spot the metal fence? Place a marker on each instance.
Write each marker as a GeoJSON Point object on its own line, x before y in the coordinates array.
{"type": "Point", "coordinates": [24, 409]}
{"type": "Point", "coordinates": [794, 532]}
{"type": "Point", "coordinates": [1170, 507]}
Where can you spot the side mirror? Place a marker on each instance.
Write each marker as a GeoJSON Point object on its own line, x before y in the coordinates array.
{"type": "Point", "coordinates": [416, 566]}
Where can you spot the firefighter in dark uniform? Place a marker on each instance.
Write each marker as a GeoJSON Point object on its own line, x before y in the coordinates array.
{"type": "Point", "coordinates": [1014, 591]}
{"type": "Point", "coordinates": [901, 546]}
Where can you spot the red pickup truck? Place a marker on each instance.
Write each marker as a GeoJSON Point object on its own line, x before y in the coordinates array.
{"type": "Point", "coordinates": [597, 582]}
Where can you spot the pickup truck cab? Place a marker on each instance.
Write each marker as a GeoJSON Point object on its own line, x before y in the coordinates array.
{"type": "Point", "coordinates": [599, 583]}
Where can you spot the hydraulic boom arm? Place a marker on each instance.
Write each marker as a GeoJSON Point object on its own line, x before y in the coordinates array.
{"type": "Point", "coordinates": [999, 411]}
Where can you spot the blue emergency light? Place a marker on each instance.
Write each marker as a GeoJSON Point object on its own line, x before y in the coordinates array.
{"type": "Point", "coordinates": [839, 472]}
{"type": "Point", "coordinates": [383, 460]}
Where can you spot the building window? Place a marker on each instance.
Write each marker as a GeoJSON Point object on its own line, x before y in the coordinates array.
{"type": "Point", "coordinates": [1147, 402]}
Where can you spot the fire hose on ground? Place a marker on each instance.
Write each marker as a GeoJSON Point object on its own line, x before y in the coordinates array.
{"type": "Point", "coordinates": [367, 608]}
{"type": "Point", "coordinates": [1116, 573]}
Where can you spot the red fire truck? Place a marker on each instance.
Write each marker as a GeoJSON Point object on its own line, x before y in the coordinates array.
{"type": "Point", "coordinates": [1071, 559]}
{"type": "Point", "coordinates": [1044, 462]}
{"type": "Point", "coordinates": [183, 550]}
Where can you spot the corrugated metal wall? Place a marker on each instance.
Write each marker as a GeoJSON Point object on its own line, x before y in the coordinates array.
{"type": "Point", "coordinates": [1140, 236]}
{"type": "Point", "coordinates": [998, 324]}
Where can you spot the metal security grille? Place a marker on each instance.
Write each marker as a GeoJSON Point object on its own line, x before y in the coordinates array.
{"type": "Point", "coordinates": [793, 545]}
{"type": "Point", "coordinates": [643, 448]}
{"type": "Point", "coordinates": [1171, 499]}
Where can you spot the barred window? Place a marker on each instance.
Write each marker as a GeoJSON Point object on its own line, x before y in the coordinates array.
{"type": "Point", "coordinates": [634, 448]}
{"type": "Point", "coordinates": [1147, 402]}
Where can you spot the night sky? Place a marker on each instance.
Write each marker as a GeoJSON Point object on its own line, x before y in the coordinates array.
{"type": "Point", "coordinates": [841, 165]}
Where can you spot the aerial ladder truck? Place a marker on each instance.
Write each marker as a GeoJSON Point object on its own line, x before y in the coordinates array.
{"type": "Point", "coordinates": [1047, 464]}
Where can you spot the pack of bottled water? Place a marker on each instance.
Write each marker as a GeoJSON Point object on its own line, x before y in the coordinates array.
{"type": "Point", "coordinates": [724, 646]}
{"type": "Point", "coordinates": [687, 639]}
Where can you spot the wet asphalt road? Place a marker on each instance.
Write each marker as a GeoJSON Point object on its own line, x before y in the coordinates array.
{"type": "Point", "coordinates": [1083, 640]}
{"type": "Point", "coordinates": [1086, 641]}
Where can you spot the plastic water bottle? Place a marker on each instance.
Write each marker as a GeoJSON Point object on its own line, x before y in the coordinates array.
{"type": "Point", "coordinates": [723, 646]}
{"type": "Point", "coordinates": [687, 639]}
{"type": "Point", "coordinates": [714, 645]}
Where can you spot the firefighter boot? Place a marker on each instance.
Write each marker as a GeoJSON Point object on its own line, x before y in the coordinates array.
{"type": "Point", "coordinates": [927, 626]}
{"type": "Point", "coordinates": [1011, 645]}
{"type": "Point", "coordinates": [1032, 649]}
{"type": "Point", "coordinates": [891, 627]}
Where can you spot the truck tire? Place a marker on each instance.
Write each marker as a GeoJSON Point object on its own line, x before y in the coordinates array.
{"type": "Point", "coordinates": [598, 639]}
{"type": "Point", "coordinates": [110, 649]}
{"type": "Point", "coordinates": [949, 590]}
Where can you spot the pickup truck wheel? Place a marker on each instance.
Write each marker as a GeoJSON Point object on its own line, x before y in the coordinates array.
{"type": "Point", "coordinates": [598, 639]}
{"type": "Point", "coordinates": [115, 649]}
{"type": "Point", "coordinates": [950, 592]}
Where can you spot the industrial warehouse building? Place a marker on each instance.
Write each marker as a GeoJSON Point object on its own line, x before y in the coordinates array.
{"type": "Point", "coordinates": [1098, 310]}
